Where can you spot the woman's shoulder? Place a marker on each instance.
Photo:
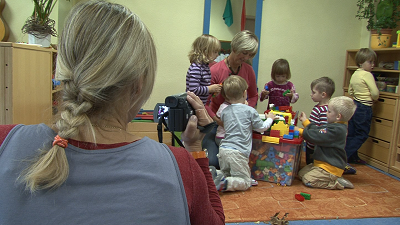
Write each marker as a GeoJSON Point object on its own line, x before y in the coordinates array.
{"type": "Point", "coordinates": [181, 154]}
{"type": "Point", "coordinates": [28, 131]}
{"type": "Point", "coordinates": [5, 130]}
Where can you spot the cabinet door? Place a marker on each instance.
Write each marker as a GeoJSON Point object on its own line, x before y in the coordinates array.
{"type": "Point", "coordinates": [381, 129]}
{"type": "Point", "coordinates": [384, 108]}
{"type": "Point", "coordinates": [376, 149]}
{"type": "Point", "coordinates": [30, 87]}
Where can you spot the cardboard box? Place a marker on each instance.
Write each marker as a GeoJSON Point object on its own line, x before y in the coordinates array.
{"type": "Point", "coordinates": [149, 129]}
{"type": "Point", "coordinates": [275, 162]}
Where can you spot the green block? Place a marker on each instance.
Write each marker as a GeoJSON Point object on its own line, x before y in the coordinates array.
{"type": "Point", "coordinates": [306, 195]}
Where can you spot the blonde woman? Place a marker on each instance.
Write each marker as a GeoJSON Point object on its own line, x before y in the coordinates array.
{"type": "Point", "coordinates": [244, 47]}
{"type": "Point", "coordinates": [89, 169]}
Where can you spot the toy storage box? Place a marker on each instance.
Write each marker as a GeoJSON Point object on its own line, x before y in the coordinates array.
{"type": "Point", "coordinates": [276, 163]}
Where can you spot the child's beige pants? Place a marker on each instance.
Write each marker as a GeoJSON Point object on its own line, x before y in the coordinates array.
{"type": "Point", "coordinates": [235, 167]}
{"type": "Point", "coordinates": [316, 177]}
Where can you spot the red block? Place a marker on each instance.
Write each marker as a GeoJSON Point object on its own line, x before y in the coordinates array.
{"type": "Point", "coordinates": [299, 197]}
{"type": "Point", "coordinates": [274, 133]}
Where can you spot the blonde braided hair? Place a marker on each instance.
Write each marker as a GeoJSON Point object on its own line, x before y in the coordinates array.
{"type": "Point", "coordinates": [105, 52]}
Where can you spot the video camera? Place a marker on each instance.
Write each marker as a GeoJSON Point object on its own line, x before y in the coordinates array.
{"type": "Point", "coordinates": [179, 112]}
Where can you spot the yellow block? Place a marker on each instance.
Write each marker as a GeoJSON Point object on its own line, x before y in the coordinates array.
{"type": "Point", "coordinates": [282, 127]}
{"type": "Point", "coordinates": [273, 140]}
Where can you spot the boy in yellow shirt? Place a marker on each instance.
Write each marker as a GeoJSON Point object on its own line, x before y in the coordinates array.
{"type": "Point", "coordinates": [364, 91]}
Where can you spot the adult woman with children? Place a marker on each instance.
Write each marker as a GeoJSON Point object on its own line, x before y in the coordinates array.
{"type": "Point", "coordinates": [244, 46]}
{"type": "Point", "coordinates": [90, 170]}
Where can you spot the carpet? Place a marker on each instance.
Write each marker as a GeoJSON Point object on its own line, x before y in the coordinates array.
{"type": "Point", "coordinates": [375, 195]}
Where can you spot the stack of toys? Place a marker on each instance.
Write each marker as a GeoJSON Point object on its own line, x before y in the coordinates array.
{"type": "Point", "coordinates": [285, 112]}
{"type": "Point", "coordinates": [275, 157]}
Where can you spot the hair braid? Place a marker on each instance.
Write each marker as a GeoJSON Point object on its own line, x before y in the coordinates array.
{"type": "Point", "coordinates": [50, 169]}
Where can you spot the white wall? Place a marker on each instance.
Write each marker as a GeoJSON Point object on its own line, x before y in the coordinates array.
{"type": "Point", "coordinates": [313, 36]}
{"type": "Point", "coordinates": [175, 25]}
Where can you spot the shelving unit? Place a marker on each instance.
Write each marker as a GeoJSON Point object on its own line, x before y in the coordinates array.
{"type": "Point", "coordinates": [382, 149]}
{"type": "Point", "coordinates": [25, 83]}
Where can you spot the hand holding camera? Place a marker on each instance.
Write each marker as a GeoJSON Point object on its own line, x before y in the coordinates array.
{"type": "Point", "coordinates": [192, 137]}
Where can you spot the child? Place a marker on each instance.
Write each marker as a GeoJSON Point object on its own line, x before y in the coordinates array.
{"type": "Point", "coordinates": [198, 78]}
{"type": "Point", "coordinates": [239, 121]}
{"type": "Point", "coordinates": [329, 139]}
{"type": "Point", "coordinates": [280, 91]}
{"type": "Point", "coordinates": [364, 91]}
{"type": "Point", "coordinates": [220, 129]}
{"type": "Point", "coordinates": [322, 90]}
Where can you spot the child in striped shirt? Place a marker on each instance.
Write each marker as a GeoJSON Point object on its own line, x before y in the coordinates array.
{"type": "Point", "coordinates": [322, 90]}
{"type": "Point", "coordinates": [198, 78]}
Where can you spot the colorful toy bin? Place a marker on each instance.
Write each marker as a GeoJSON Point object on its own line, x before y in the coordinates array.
{"type": "Point", "coordinates": [275, 159]}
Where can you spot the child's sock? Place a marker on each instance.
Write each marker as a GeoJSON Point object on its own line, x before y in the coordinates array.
{"type": "Point", "coordinates": [223, 184]}
{"type": "Point", "coordinates": [346, 183]}
{"type": "Point", "coordinates": [218, 177]}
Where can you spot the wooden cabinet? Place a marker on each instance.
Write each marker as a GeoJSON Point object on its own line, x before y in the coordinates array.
{"type": "Point", "coordinates": [25, 84]}
{"type": "Point", "coordinates": [382, 148]}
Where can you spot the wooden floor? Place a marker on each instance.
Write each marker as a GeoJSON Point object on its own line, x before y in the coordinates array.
{"type": "Point", "coordinates": [375, 195]}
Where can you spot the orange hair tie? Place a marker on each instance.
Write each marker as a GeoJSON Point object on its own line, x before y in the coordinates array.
{"type": "Point", "coordinates": [63, 143]}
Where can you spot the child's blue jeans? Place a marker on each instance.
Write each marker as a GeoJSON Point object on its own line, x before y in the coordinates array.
{"type": "Point", "coordinates": [358, 129]}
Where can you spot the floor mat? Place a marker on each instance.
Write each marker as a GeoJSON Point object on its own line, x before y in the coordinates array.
{"type": "Point", "coordinates": [374, 195]}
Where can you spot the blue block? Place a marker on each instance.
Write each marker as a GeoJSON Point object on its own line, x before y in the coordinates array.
{"type": "Point", "coordinates": [287, 136]}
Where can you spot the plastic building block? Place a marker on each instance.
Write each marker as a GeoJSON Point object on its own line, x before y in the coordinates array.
{"type": "Point", "coordinates": [296, 134]}
{"type": "Point", "coordinates": [282, 127]}
{"type": "Point", "coordinates": [299, 197]}
{"type": "Point", "coordinates": [286, 92]}
{"type": "Point", "coordinates": [306, 195]}
{"type": "Point", "coordinates": [274, 140]}
{"type": "Point", "coordinates": [288, 136]}
{"type": "Point", "coordinates": [285, 108]}
{"type": "Point", "coordinates": [274, 133]}
{"type": "Point", "coordinates": [266, 88]}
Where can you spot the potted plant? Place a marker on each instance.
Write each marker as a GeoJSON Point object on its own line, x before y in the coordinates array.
{"type": "Point", "coordinates": [382, 16]}
{"type": "Point", "coordinates": [39, 26]}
